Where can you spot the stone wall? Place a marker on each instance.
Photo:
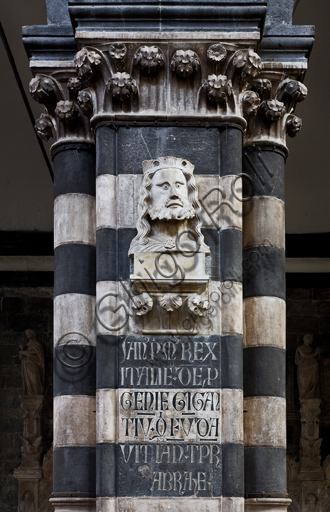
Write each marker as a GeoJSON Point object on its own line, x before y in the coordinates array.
{"type": "Point", "coordinates": [21, 309]}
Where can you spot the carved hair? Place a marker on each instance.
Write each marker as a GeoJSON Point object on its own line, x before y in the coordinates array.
{"type": "Point", "coordinates": [143, 223]}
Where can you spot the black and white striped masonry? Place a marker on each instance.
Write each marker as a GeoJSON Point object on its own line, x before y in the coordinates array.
{"type": "Point", "coordinates": [74, 312]}
{"type": "Point", "coordinates": [232, 319]}
{"type": "Point", "coordinates": [264, 313]}
{"type": "Point", "coordinates": [119, 175]}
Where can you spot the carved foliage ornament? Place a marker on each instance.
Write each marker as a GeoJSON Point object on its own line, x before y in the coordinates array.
{"type": "Point", "coordinates": [185, 63]}
{"type": "Point", "coordinates": [149, 59]}
{"type": "Point", "coordinates": [216, 52]}
{"type": "Point", "coordinates": [74, 84]}
{"type": "Point", "coordinates": [170, 301]}
{"type": "Point", "coordinates": [67, 111]}
{"type": "Point", "coordinates": [262, 86]}
{"type": "Point", "coordinates": [118, 51]}
{"type": "Point", "coordinates": [85, 60]}
{"type": "Point", "coordinates": [249, 61]}
{"type": "Point", "coordinates": [294, 126]}
{"type": "Point", "coordinates": [251, 103]}
{"type": "Point", "coordinates": [85, 101]}
{"type": "Point", "coordinates": [217, 88]}
{"type": "Point", "coordinates": [272, 109]}
{"type": "Point", "coordinates": [121, 86]}
{"type": "Point", "coordinates": [42, 88]}
{"type": "Point", "coordinates": [44, 127]}
{"type": "Point", "coordinates": [142, 304]}
{"type": "Point", "coordinates": [198, 305]}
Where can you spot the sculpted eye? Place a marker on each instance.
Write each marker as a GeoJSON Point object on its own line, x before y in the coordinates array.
{"type": "Point", "coordinates": [165, 187]}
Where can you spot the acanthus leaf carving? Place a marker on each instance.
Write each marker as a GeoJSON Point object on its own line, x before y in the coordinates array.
{"type": "Point", "coordinates": [249, 61]}
{"type": "Point", "coordinates": [272, 109]}
{"type": "Point", "coordinates": [85, 60]}
{"type": "Point", "coordinates": [121, 86]}
{"type": "Point", "coordinates": [118, 51]}
{"type": "Point", "coordinates": [44, 89]}
{"type": "Point", "coordinates": [198, 305]}
{"type": "Point", "coordinates": [170, 301]}
{"type": "Point", "coordinates": [251, 103]}
{"type": "Point", "coordinates": [74, 84]}
{"type": "Point", "coordinates": [293, 126]}
{"type": "Point", "coordinates": [217, 88]}
{"type": "Point", "coordinates": [263, 87]}
{"type": "Point", "coordinates": [85, 101]}
{"type": "Point", "coordinates": [149, 59]}
{"type": "Point", "coordinates": [185, 63]}
{"type": "Point", "coordinates": [142, 304]}
{"type": "Point", "coordinates": [291, 91]}
{"type": "Point", "coordinates": [44, 127]}
{"type": "Point", "coordinates": [67, 111]}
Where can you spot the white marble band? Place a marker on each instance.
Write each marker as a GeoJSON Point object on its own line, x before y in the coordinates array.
{"type": "Point", "coordinates": [74, 319]}
{"type": "Point", "coordinates": [264, 322]}
{"type": "Point", "coordinates": [232, 308]}
{"type": "Point", "coordinates": [264, 223]}
{"type": "Point", "coordinates": [74, 420]}
{"type": "Point", "coordinates": [74, 219]}
{"type": "Point", "coordinates": [265, 421]}
{"type": "Point", "coordinates": [106, 415]}
{"type": "Point", "coordinates": [232, 415]}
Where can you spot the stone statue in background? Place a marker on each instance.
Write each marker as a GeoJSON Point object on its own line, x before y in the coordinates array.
{"type": "Point", "coordinates": [308, 371]}
{"type": "Point", "coordinates": [33, 365]}
{"type": "Point", "coordinates": [169, 211]}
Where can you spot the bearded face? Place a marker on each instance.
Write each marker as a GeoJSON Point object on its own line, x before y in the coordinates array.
{"type": "Point", "coordinates": [169, 196]}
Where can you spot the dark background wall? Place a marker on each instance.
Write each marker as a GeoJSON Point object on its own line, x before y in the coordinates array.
{"type": "Point", "coordinates": [21, 309]}
{"type": "Point", "coordinates": [308, 311]}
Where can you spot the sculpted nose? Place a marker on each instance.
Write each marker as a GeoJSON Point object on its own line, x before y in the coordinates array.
{"type": "Point", "coordinates": [174, 192]}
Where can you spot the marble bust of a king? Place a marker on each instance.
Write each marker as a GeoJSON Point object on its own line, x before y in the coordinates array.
{"type": "Point", "coordinates": [168, 211]}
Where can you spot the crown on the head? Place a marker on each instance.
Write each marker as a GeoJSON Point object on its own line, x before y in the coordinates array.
{"type": "Point", "coordinates": [167, 162]}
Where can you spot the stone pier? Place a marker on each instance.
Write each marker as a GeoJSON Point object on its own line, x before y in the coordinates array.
{"type": "Point", "coordinates": [169, 125]}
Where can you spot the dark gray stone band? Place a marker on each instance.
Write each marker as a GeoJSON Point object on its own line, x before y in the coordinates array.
{"type": "Point", "coordinates": [231, 150]}
{"type": "Point", "coordinates": [74, 370]}
{"type": "Point", "coordinates": [264, 371]}
{"type": "Point", "coordinates": [231, 255]}
{"type": "Point", "coordinates": [265, 167]}
{"type": "Point", "coordinates": [106, 470]}
{"type": "Point", "coordinates": [67, 477]}
{"type": "Point", "coordinates": [110, 243]}
{"type": "Point", "coordinates": [232, 362]}
{"type": "Point", "coordinates": [265, 470]}
{"type": "Point", "coordinates": [74, 169]}
{"type": "Point", "coordinates": [74, 268]}
{"type": "Point", "coordinates": [107, 364]}
{"type": "Point", "coordinates": [263, 272]}
{"type": "Point", "coordinates": [233, 470]}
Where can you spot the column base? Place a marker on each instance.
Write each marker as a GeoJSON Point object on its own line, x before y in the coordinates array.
{"type": "Point", "coordinates": [73, 504]}
{"type": "Point", "coordinates": [267, 504]}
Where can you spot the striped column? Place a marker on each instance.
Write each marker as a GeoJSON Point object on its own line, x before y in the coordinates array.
{"type": "Point", "coordinates": [74, 329]}
{"type": "Point", "coordinates": [232, 319]}
{"type": "Point", "coordinates": [106, 279]}
{"type": "Point", "coordinates": [264, 330]}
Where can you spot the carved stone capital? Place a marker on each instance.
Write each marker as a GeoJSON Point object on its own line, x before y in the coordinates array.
{"type": "Point", "coordinates": [66, 115]}
{"type": "Point", "coordinates": [274, 118]}
{"type": "Point", "coordinates": [207, 79]}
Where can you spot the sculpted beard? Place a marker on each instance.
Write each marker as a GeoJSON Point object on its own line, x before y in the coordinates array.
{"type": "Point", "coordinates": [162, 212]}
